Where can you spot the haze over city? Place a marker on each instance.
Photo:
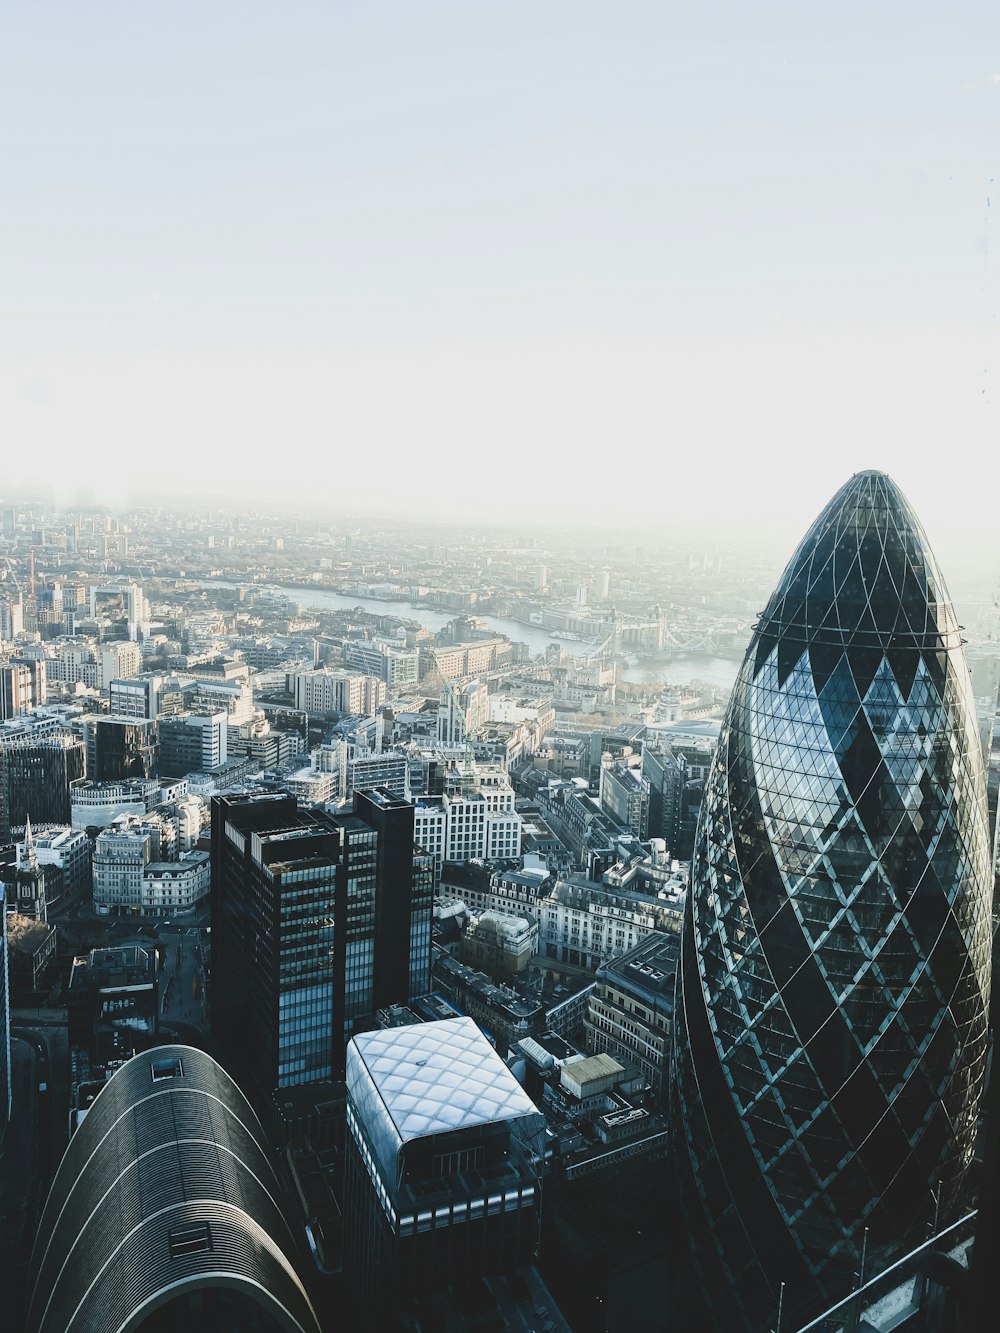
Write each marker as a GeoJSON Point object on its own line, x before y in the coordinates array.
{"type": "Point", "coordinates": [499, 667]}
{"type": "Point", "coordinates": [394, 254]}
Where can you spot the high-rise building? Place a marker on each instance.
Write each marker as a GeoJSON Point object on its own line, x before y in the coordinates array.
{"type": "Point", "coordinates": [832, 996]}
{"type": "Point", "coordinates": [310, 913]}
{"type": "Point", "coordinates": [398, 667]}
{"type": "Point", "coordinates": [624, 795]}
{"type": "Point", "coordinates": [11, 618]}
{"type": "Point", "coordinates": [123, 748]}
{"type": "Point", "coordinates": [404, 902]}
{"type": "Point", "coordinates": [37, 776]}
{"type": "Point", "coordinates": [192, 742]}
{"type": "Point", "coordinates": [324, 693]}
{"type": "Point", "coordinates": [6, 1090]}
{"type": "Point", "coordinates": [443, 1161]}
{"type": "Point", "coordinates": [22, 686]}
{"type": "Point", "coordinates": [665, 772]}
{"type": "Point", "coordinates": [165, 1212]}
{"type": "Point", "coordinates": [118, 661]}
{"type": "Point", "coordinates": [462, 711]}
{"type": "Point", "coordinates": [136, 697]}
{"type": "Point", "coordinates": [470, 825]}
{"type": "Point", "coordinates": [120, 606]}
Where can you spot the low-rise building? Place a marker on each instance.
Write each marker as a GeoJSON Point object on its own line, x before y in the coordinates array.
{"type": "Point", "coordinates": [113, 989]}
{"type": "Point", "coordinates": [586, 924]}
{"type": "Point", "coordinates": [175, 886]}
{"type": "Point", "coordinates": [631, 1007]}
{"type": "Point", "coordinates": [499, 944]}
{"type": "Point", "coordinates": [120, 860]}
{"type": "Point", "coordinates": [96, 804]}
{"type": "Point", "coordinates": [500, 1010]}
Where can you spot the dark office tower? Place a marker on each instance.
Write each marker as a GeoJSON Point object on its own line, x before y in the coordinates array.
{"type": "Point", "coordinates": [442, 1168]}
{"type": "Point", "coordinates": [294, 933]}
{"type": "Point", "coordinates": [404, 901]}
{"type": "Point", "coordinates": [665, 773]}
{"type": "Point", "coordinates": [165, 1213]}
{"type": "Point", "coordinates": [832, 996]}
{"type": "Point", "coordinates": [124, 749]}
{"type": "Point", "coordinates": [36, 777]}
{"type": "Point", "coordinates": [5, 1075]}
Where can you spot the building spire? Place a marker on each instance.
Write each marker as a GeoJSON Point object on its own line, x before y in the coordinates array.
{"type": "Point", "coordinates": [29, 843]}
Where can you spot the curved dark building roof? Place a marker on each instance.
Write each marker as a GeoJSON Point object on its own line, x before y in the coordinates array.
{"type": "Point", "coordinates": [831, 1003]}
{"type": "Point", "coordinates": [165, 1189]}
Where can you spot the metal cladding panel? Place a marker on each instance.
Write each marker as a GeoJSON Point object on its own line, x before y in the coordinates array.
{"type": "Point", "coordinates": [831, 1006]}
{"type": "Point", "coordinates": [411, 1082]}
{"type": "Point", "coordinates": [166, 1183]}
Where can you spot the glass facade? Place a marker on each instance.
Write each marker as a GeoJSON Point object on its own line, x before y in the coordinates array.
{"type": "Point", "coordinates": [298, 900]}
{"type": "Point", "coordinates": [832, 997]}
{"type": "Point", "coordinates": [305, 972]}
{"type": "Point", "coordinates": [5, 1071]}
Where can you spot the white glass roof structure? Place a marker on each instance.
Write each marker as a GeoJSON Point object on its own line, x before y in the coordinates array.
{"type": "Point", "coordinates": [433, 1078]}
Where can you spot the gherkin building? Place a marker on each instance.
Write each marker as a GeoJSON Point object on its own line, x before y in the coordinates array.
{"type": "Point", "coordinates": [831, 1004]}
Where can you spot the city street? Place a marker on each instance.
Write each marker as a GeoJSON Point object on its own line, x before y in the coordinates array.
{"type": "Point", "coordinates": [182, 990]}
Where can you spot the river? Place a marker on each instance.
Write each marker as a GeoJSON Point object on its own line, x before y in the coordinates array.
{"type": "Point", "coordinates": [679, 670]}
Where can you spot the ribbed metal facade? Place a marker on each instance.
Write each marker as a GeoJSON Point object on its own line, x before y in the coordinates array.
{"type": "Point", "coordinates": [831, 1008]}
{"type": "Point", "coordinates": [165, 1188]}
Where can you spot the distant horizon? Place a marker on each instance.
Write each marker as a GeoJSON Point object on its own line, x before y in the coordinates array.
{"type": "Point", "coordinates": [695, 265]}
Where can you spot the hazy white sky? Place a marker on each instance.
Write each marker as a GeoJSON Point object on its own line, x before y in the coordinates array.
{"type": "Point", "coordinates": [593, 255]}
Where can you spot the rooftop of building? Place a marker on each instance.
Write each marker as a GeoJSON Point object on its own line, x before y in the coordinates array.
{"type": "Point", "coordinates": [190, 864]}
{"type": "Point", "coordinates": [576, 890]}
{"type": "Point", "coordinates": [518, 1007]}
{"type": "Point", "coordinates": [127, 965]}
{"type": "Point", "coordinates": [207, 1214]}
{"type": "Point", "coordinates": [413, 1082]}
{"type": "Point", "coordinates": [547, 1049]}
{"type": "Point", "coordinates": [649, 968]}
{"type": "Point", "coordinates": [588, 1069]}
{"type": "Point", "coordinates": [433, 1007]}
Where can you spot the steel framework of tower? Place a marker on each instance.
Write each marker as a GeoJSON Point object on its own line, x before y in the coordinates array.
{"type": "Point", "coordinates": [831, 1008]}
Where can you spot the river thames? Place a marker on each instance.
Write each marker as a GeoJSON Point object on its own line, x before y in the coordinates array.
{"type": "Point", "coordinates": [679, 670]}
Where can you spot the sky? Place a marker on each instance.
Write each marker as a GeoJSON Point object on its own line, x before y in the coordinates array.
{"type": "Point", "coordinates": [694, 262]}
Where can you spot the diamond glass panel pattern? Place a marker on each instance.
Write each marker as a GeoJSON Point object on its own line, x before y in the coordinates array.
{"type": "Point", "coordinates": [410, 1082]}
{"type": "Point", "coordinates": [832, 996]}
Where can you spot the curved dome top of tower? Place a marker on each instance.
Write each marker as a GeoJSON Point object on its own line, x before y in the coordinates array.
{"type": "Point", "coordinates": [863, 574]}
{"type": "Point", "coordinates": [831, 1007]}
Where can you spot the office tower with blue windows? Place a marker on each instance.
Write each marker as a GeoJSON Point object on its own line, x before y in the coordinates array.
{"type": "Point", "coordinates": [831, 1004]}
{"type": "Point", "coordinates": [298, 897]}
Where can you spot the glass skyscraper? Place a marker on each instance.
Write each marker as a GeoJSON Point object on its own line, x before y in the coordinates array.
{"type": "Point", "coordinates": [310, 913]}
{"type": "Point", "coordinates": [5, 1069]}
{"type": "Point", "coordinates": [831, 1014]}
